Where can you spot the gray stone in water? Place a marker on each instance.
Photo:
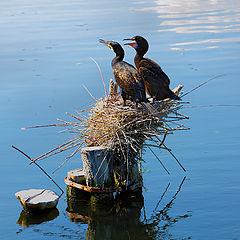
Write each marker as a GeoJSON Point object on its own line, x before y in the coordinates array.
{"type": "Point", "coordinates": [37, 199]}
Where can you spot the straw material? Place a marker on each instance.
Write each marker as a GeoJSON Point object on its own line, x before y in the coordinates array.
{"type": "Point", "coordinates": [126, 130]}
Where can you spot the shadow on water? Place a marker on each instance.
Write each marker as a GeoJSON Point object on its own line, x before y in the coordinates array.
{"type": "Point", "coordinates": [125, 218]}
{"type": "Point", "coordinates": [27, 219]}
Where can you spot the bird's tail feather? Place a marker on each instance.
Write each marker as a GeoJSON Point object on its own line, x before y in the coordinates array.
{"type": "Point", "coordinates": [172, 95]}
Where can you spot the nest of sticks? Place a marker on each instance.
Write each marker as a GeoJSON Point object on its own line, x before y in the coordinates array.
{"type": "Point", "coordinates": [126, 130]}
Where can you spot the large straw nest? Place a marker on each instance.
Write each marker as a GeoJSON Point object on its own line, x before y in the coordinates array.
{"type": "Point", "coordinates": [110, 124]}
{"type": "Point", "coordinates": [126, 130]}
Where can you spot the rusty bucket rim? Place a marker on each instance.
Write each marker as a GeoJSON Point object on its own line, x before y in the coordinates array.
{"type": "Point", "coordinates": [87, 188]}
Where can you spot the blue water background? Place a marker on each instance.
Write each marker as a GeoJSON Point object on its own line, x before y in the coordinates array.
{"type": "Point", "coordinates": [44, 61]}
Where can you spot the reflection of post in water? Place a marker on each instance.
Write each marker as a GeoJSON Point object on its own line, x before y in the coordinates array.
{"type": "Point", "coordinates": [118, 219]}
{"type": "Point", "coordinates": [123, 217]}
{"type": "Point", "coordinates": [26, 219]}
{"type": "Point", "coordinates": [174, 197]}
{"type": "Point", "coordinates": [161, 219]}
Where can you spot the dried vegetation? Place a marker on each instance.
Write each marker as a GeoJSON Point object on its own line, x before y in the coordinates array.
{"type": "Point", "coordinates": [126, 130]}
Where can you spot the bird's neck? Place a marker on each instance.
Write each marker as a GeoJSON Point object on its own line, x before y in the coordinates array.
{"type": "Point", "coordinates": [118, 58]}
{"type": "Point", "coordinates": [137, 59]}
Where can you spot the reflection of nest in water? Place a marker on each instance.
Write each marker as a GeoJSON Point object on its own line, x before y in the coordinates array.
{"type": "Point", "coordinates": [126, 130]}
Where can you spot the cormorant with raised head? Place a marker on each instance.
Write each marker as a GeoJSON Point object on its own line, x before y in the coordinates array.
{"type": "Point", "coordinates": [126, 76]}
{"type": "Point", "coordinates": [156, 81]}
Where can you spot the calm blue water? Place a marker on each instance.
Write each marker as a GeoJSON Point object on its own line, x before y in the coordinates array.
{"type": "Point", "coordinates": [44, 61]}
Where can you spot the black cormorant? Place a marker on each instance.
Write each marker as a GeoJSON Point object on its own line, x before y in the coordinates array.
{"type": "Point", "coordinates": [156, 81]}
{"type": "Point", "coordinates": [126, 76]}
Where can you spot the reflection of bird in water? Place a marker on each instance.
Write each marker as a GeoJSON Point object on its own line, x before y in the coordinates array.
{"type": "Point", "coordinates": [156, 81]}
{"type": "Point", "coordinates": [127, 77]}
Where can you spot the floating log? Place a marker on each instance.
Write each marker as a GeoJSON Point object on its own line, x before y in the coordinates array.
{"type": "Point", "coordinates": [37, 199]}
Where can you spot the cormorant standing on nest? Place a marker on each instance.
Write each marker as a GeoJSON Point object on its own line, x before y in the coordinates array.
{"type": "Point", "coordinates": [156, 81]}
{"type": "Point", "coordinates": [127, 77]}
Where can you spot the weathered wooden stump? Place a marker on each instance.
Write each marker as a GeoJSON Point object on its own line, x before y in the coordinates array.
{"type": "Point", "coordinates": [98, 167]}
{"type": "Point", "coordinates": [128, 178]}
{"type": "Point", "coordinates": [102, 175]}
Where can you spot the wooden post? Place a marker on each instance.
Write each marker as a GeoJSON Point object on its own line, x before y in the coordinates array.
{"type": "Point", "coordinates": [102, 174]}
{"type": "Point", "coordinates": [98, 166]}
{"type": "Point", "coordinates": [128, 177]}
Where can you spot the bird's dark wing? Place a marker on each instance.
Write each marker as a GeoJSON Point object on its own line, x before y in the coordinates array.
{"type": "Point", "coordinates": [152, 69]}
{"type": "Point", "coordinates": [155, 87]}
{"type": "Point", "coordinates": [129, 80]}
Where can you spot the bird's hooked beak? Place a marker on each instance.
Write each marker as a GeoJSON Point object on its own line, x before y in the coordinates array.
{"type": "Point", "coordinates": [132, 44]}
{"type": "Point", "coordinates": [106, 43]}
